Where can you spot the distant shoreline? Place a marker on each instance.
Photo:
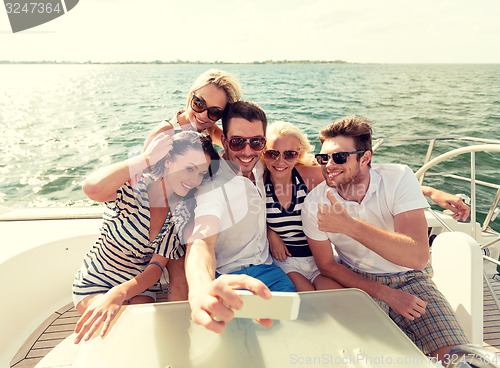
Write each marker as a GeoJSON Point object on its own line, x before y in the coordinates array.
{"type": "Point", "coordinates": [184, 62]}
{"type": "Point", "coordinates": [180, 62]}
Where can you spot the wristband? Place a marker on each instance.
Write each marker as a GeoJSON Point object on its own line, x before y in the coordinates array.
{"type": "Point", "coordinates": [157, 264]}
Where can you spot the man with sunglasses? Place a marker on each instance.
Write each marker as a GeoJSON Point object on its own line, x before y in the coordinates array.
{"type": "Point", "coordinates": [374, 217]}
{"type": "Point", "coordinates": [230, 234]}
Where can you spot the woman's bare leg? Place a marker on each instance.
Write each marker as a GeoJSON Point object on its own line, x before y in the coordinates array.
{"type": "Point", "coordinates": [138, 299]}
{"type": "Point", "coordinates": [300, 282]}
{"type": "Point", "coordinates": [177, 280]}
{"type": "Point", "coordinates": [322, 282]}
{"type": "Point", "coordinates": [82, 306]}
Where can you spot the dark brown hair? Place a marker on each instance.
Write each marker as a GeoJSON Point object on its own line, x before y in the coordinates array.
{"type": "Point", "coordinates": [183, 141]}
{"type": "Point", "coordinates": [243, 109]}
{"type": "Point", "coordinates": [358, 128]}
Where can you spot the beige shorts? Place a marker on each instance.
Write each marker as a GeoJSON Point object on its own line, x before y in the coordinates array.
{"type": "Point", "coordinates": [303, 265]}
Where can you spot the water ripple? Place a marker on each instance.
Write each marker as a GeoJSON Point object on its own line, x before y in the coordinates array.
{"type": "Point", "coordinates": [60, 122]}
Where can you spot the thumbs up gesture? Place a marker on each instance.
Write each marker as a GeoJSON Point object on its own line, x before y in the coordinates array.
{"type": "Point", "coordinates": [332, 217]}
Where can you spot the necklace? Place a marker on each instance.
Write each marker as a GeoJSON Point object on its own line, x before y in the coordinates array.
{"type": "Point", "coordinates": [165, 224]}
{"type": "Point", "coordinates": [170, 203]}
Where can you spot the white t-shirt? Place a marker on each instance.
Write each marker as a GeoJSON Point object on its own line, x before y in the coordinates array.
{"type": "Point", "coordinates": [239, 205]}
{"type": "Point", "coordinates": [393, 189]}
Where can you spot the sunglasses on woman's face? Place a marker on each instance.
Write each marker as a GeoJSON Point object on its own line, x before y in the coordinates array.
{"type": "Point", "coordinates": [273, 155]}
{"type": "Point", "coordinates": [238, 143]}
{"type": "Point", "coordinates": [199, 105]}
{"type": "Point", "coordinates": [339, 157]}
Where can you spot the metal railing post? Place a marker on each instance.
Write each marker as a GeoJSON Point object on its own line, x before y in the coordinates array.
{"type": "Point", "coordinates": [427, 157]}
{"type": "Point", "coordinates": [473, 193]}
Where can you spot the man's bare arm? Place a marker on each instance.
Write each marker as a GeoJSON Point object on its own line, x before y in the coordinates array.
{"type": "Point", "coordinates": [406, 304]}
{"type": "Point", "coordinates": [212, 300]}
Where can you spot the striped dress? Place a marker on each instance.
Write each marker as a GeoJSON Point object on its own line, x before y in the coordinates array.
{"type": "Point", "coordinates": [287, 222]}
{"type": "Point", "coordinates": [123, 249]}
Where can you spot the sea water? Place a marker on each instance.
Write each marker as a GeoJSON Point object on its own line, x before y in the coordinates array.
{"type": "Point", "coordinates": [58, 123]}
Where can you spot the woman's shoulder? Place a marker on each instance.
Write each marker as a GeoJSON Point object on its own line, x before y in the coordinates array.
{"type": "Point", "coordinates": [164, 127]}
{"type": "Point", "coordinates": [311, 175]}
{"type": "Point", "coordinates": [215, 133]}
{"type": "Point", "coordinates": [169, 126]}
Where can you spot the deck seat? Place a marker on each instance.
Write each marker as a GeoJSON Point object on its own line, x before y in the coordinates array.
{"type": "Point", "coordinates": [458, 273]}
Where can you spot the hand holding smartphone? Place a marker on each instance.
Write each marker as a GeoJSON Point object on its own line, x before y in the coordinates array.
{"type": "Point", "coordinates": [282, 305]}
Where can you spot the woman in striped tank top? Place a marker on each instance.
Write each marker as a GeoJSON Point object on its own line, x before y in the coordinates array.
{"type": "Point", "coordinates": [291, 174]}
{"type": "Point", "coordinates": [150, 203]}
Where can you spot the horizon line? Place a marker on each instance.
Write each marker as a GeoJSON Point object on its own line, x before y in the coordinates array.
{"type": "Point", "coordinates": [218, 62]}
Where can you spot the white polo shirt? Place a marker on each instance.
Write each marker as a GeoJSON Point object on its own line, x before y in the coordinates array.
{"type": "Point", "coordinates": [393, 189]}
{"type": "Point", "coordinates": [240, 206]}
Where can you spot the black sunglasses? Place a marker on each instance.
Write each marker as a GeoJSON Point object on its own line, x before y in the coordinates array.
{"type": "Point", "coordinates": [238, 143]}
{"type": "Point", "coordinates": [199, 105]}
{"type": "Point", "coordinates": [339, 157]}
{"type": "Point", "coordinates": [288, 155]}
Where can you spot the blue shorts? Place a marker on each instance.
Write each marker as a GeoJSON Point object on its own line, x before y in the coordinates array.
{"type": "Point", "coordinates": [271, 275]}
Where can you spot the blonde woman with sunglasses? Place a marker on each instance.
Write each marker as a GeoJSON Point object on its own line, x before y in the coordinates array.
{"type": "Point", "coordinates": [291, 174]}
{"type": "Point", "coordinates": [207, 99]}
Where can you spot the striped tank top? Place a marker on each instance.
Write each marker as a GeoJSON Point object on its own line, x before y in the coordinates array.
{"type": "Point", "coordinates": [287, 222]}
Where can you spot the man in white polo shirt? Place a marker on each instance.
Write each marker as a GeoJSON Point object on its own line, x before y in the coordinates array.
{"type": "Point", "coordinates": [374, 217]}
{"type": "Point", "coordinates": [230, 232]}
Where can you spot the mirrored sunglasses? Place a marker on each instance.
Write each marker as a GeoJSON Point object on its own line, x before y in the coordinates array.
{"type": "Point", "coordinates": [288, 155]}
{"type": "Point", "coordinates": [339, 157]}
{"type": "Point", "coordinates": [238, 143]}
{"type": "Point", "coordinates": [199, 105]}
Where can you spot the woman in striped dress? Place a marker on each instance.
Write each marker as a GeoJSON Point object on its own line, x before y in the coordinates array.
{"type": "Point", "coordinates": [291, 174]}
{"type": "Point", "coordinates": [150, 203]}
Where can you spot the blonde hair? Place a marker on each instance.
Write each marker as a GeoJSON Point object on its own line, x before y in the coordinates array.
{"type": "Point", "coordinates": [220, 79]}
{"type": "Point", "coordinates": [283, 128]}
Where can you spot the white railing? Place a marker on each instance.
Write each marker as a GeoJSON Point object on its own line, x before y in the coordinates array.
{"type": "Point", "coordinates": [487, 145]}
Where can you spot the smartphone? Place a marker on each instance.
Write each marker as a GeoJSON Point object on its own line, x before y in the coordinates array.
{"type": "Point", "coordinates": [282, 305]}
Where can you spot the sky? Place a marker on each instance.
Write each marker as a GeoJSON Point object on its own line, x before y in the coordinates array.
{"type": "Point", "coordinates": [363, 31]}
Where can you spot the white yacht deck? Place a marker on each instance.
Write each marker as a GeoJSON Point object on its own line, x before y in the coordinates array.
{"type": "Point", "coordinates": [60, 326]}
